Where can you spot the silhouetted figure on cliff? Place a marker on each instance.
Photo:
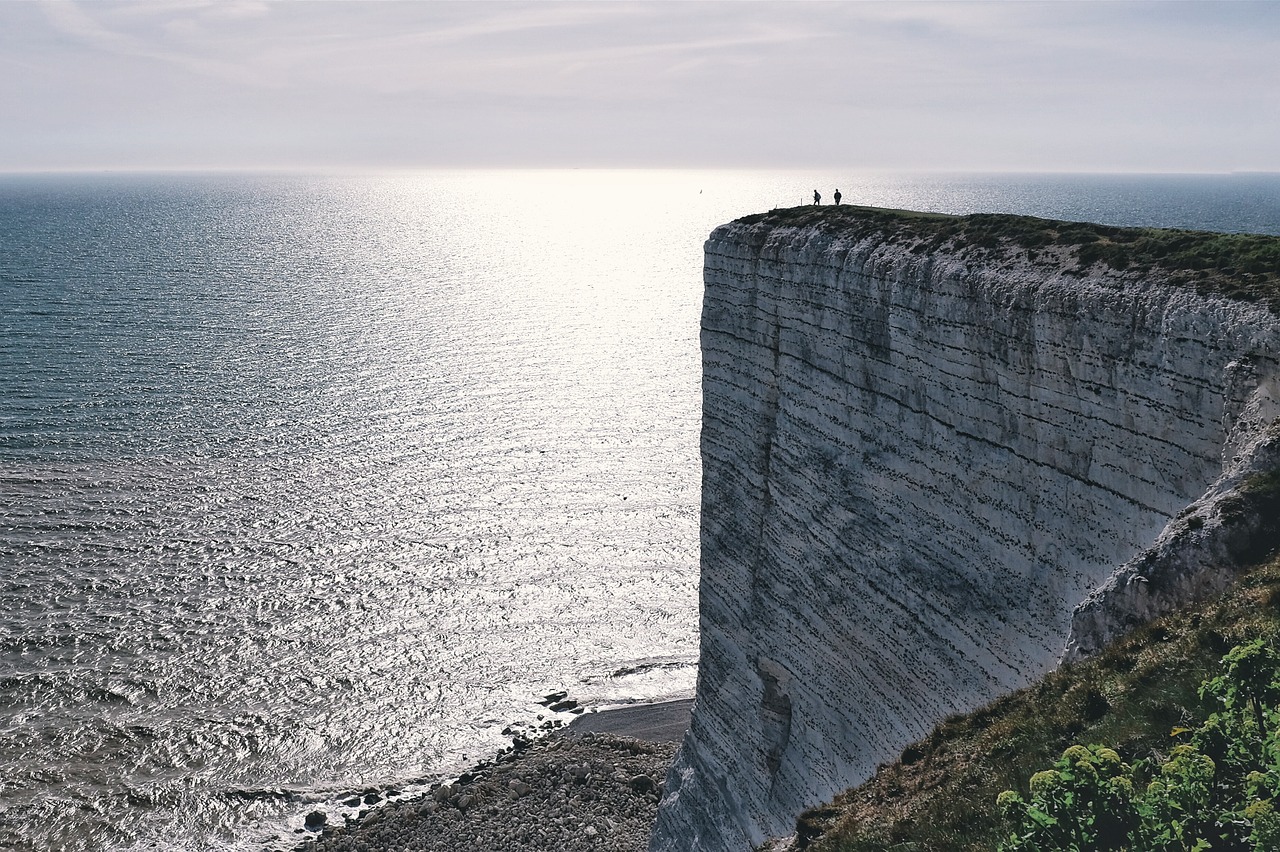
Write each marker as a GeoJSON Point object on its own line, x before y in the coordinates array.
{"type": "Point", "coordinates": [837, 196]}
{"type": "Point", "coordinates": [817, 197]}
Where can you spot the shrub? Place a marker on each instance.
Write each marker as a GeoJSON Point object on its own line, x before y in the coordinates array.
{"type": "Point", "coordinates": [1215, 791]}
{"type": "Point", "coordinates": [1084, 802]}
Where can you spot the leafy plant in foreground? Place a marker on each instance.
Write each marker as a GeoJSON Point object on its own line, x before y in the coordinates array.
{"type": "Point", "coordinates": [1216, 789]}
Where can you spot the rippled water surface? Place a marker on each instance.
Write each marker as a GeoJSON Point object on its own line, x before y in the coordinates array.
{"type": "Point", "coordinates": [314, 483]}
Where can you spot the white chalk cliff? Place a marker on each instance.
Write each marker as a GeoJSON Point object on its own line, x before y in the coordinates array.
{"type": "Point", "coordinates": [918, 460]}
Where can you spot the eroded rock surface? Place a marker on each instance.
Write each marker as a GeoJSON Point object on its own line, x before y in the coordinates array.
{"type": "Point", "coordinates": [917, 463]}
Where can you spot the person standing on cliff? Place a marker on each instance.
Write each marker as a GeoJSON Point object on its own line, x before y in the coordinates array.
{"type": "Point", "coordinates": [837, 196]}
{"type": "Point", "coordinates": [817, 197]}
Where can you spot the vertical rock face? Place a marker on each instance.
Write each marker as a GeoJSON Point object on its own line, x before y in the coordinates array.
{"type": "Point", "coordinates": [916, 463]}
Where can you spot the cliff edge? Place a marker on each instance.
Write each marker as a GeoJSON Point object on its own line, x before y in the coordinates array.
{"type": "Point", "coordinates": [939, 453]}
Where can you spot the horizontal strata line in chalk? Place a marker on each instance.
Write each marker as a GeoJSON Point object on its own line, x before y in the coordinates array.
{"type": "Point", "coordinates": [839, 561]}
{"type": "Point", "coordinates": [719, 451]}
{"type": "Point", "coordinates": [1180, 462]}
{"type": "Point", "coordinates": [1204, 352]}
{"type": "Point", "coordinates": [729, 451]}
{"type": "Point", "coordinates": [865, 439]}
{"type": "Point", "coordinates": [939, 462]}
{"type": "Point", "coordinates": [1155, 407]}
{"type": "Point", "coordinates": [956, 499]}
{"type": "Point", "coordinates": [888, 398]}
{"type": "Point", "coordinates": [1114, 426]}
{"type": "Point", "coordinates": [992, 549]}
{"type": "Point", "coordinates": [942, 288]}
{"type": "Point", "coordinates": [878, 665]}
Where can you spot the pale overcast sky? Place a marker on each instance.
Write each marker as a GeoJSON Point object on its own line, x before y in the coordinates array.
{"type": "Point", "coordinates": [1170, 86]}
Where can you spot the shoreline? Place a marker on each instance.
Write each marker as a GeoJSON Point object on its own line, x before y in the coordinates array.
{"type": "Point", "coordinates": [658, 722]}
{"type": "Point", "coordinates": [592, 785]}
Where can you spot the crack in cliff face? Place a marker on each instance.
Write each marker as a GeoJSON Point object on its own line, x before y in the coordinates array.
{"type": "Point", "coordinates": [915, 466]}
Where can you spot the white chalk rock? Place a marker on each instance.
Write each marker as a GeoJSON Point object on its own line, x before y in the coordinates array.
{"type": "Point", "coordinates": [915, 465]}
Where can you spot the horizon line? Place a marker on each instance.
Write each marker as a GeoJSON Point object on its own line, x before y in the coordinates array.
{"type": "Point", "coordinates": [395, 170]}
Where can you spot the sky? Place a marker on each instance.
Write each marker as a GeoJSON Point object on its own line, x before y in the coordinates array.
{"type": "Point", "coordinates": [954, 86]}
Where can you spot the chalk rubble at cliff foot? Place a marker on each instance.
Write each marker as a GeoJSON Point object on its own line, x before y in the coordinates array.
{"type": "Point", "coordinates": [918, 459]}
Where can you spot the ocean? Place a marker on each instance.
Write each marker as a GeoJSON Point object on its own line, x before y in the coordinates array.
{"type": "Point", "coordinates": [317, 484]}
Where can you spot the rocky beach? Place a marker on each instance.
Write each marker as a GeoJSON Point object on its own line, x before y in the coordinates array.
{"type": "Point", "coordinates": [594, 785]}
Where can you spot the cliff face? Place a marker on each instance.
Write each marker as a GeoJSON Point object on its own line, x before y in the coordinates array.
{"type": "Point", "coordinates": [917, 460]}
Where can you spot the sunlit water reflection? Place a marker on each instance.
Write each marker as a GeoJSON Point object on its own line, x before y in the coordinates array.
{"type": "Point", "coordinates": [308, 484]}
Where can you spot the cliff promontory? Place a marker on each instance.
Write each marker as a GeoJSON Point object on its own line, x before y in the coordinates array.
{"type": "Point", "coordinates": [939, 453]}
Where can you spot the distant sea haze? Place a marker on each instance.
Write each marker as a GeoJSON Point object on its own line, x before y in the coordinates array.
{"type": "Point", "coordinates": [310, 484]}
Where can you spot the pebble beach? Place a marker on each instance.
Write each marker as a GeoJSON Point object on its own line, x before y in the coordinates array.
{"type": "Point", "coordinates": [591, 787]}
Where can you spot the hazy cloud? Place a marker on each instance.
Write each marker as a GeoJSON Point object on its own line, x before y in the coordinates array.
{"type": "Point", "coordinates": [1100, 86]}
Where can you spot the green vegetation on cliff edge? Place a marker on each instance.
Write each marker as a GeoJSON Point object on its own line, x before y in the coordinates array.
{"type": "Point", "coordinates": [1141, 697]}
{"type": "Point", "coordinates": [1238, 266]}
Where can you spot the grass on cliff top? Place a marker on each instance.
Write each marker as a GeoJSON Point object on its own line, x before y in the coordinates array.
{"type": "Point", "coordinates": [1239, 266]}
{"type": "Point", "coordinates": [941, 795]}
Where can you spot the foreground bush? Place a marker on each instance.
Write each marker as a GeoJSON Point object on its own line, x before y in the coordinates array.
{"type": "Point", "coordinates": [1215, 789]}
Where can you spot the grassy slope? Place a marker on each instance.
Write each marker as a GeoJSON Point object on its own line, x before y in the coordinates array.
{"type": "Point", "coordinates": [941, 794]}
{"type": "Point", "coordinates": [1240, 266]}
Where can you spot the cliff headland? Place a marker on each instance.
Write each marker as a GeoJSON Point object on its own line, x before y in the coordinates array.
{"type": "Point", "coordinates": [940, 455]}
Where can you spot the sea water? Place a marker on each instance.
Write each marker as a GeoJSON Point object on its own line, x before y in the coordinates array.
{"type": "Point", "coordinates": [315, 483]}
